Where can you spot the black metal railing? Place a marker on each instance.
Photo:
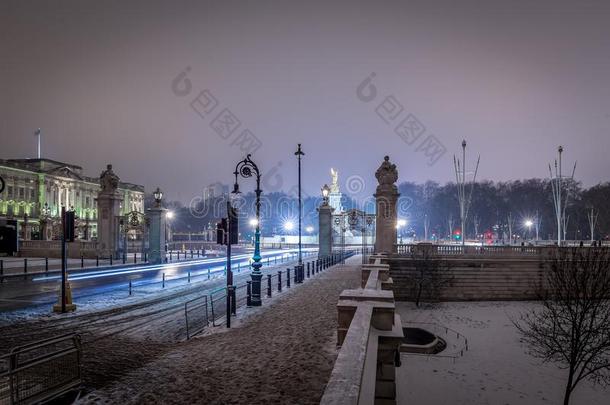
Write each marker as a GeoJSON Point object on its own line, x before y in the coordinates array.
{"type": "Point", "coordinates": [271, 283]}
{"type": "Point", "coordinates": [196, 315]}
{"type": "Point", "coordinates": [40, 371]}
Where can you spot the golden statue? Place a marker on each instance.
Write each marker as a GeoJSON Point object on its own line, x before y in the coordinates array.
{"type": "Point", "coordinates": [334, 186]}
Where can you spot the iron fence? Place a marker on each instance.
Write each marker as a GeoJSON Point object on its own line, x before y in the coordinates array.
{"type": "Point", "coordinates": [40, 371]}
{"type": "Point", "coordinates": [196, 315]}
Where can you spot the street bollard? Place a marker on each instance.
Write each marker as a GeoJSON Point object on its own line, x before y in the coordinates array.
{"type": "Point", "coordinates": [233, 290]}
{"type": "Point", "coordinates": [129, 287]}
{"type": "Point", "coordinates": [238, 267]}
{"type": "Point", "coordinates": [46, 264]}
{"type": "Point", "coordinates": [279, 281]}
{"type": "Point", "coordinates": [307, 269]}
{"type": "Point", "coordinates": [189, 276]}
{"type": "Point", "coordinates": [275, 260]}
{"type": "Point", "coordinates": [288, 278]}
{"type": "Point", "coordinates": [163, 280]}
{"type": "Point", "coordinates": [208, 273]}
{"type": "Point", "coordinates": [191, 253]}
{"type": "Point", "coordinates": [269, 285]}
{"type": "Point", "coordinates": [135, 258]}
{"type": "Point", "coordinates": [25, 266]}
{"type": "Point", "coordinates": [82, 261]}
{"type": "Point", "coordinates": [145, 257]}
{"type": "Point", "coordinates": [97, 261]}
{"type": "Point", "coordinates": [296, 274]}
{"type": "Point", "coordinates": [249, 293]}
{"type": "Point", "coordinates": [267, 261]}
{"type": "Point", "coordinates": [124, 257]}
{"type": "Point", "coordinates": [1, 270]}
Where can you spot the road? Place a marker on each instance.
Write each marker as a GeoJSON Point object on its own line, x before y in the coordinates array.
{"type": "Point", "coordinates": [127, 334]}
{"type": "Point", "coordinates": [101, 286]}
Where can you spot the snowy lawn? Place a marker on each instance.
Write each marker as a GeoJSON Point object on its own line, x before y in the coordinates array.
{"type": "Point", "coordinates": [496, 369]}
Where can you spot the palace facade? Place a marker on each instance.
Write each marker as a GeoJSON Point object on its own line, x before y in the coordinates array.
{"type": "Point", "coordinates": [37, 189]}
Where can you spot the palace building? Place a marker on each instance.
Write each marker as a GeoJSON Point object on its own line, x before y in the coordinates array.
{"type": "Point", "coordinates": [37, 189]}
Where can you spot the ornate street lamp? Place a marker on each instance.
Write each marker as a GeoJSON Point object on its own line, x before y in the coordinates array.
{"type": "Point", "coordinates": [158, 196]}
{"type": "Point", "coordinates": [45, 213]}
{"type": "Point", "coordinates": [298, 154]}
{"type": "Point", "coordinates": [247, 168]}
{"type": "Point", "coordinates": [325, 194]}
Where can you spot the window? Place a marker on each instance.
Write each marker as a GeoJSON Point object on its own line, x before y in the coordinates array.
{"type": "Point", "coordinates": [21, 193]}
{"type": "Point", "coordinates": [10, 191]}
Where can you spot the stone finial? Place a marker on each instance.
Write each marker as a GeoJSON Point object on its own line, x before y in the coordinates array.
{"type": "Point", "coordinates": [109, 180]}
{"type": "Point", "coordinates": [387, 173]}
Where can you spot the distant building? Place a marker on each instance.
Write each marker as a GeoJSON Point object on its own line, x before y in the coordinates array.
{"type": "Point", "coordinates": [215, 190]}
{"type": "Point", "coordinates": [36, 189]}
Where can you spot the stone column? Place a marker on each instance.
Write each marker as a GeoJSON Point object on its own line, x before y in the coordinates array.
{"type": "Point", "coordinates": [386, 197]}
{"type": "Point", "coordinates": [156, 234]}
{"type": "Point", "coordinates": [325, 226]}
{"type": "Point", "coordinates": [108, 208]}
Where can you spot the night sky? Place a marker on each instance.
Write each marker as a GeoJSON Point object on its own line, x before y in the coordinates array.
{"type": "Point", "coordinates": [516, 79]}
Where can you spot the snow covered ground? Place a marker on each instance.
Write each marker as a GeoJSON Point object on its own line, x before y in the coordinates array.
{"type": "Point", "coordinates": [495, 370]}
{"type": "Point", "coordinates": [281, 353]}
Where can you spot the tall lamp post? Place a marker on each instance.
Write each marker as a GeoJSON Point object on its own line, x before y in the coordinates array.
{"type": "Point", "coordinates": [247, 168]}
{"type": "Point", "coordinates": [298, 154]}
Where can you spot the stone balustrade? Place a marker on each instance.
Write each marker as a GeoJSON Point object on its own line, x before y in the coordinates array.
{"type": "Point", "coordinates": [369, 333]}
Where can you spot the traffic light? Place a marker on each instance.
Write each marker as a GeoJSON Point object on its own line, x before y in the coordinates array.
{"type": "Point", "coordinates": [221, 231]}
{"type": "Point", "coordinates": [69, 233]}
{"type": "Point", "coordinates": [233, 226]}
{"type": "Point", "coordinates": [228, 228]}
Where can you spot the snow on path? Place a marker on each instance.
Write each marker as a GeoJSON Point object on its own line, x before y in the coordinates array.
{"type": "Point", "coordinates": [496, 370]}
{"type": "Point", "coordinates": [282, 353]}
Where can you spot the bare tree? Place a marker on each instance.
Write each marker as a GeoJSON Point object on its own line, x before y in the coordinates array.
{"type": "Point", "coordinates": [430, 273]}
{"type": "Point", "coordinates": [572, 327]}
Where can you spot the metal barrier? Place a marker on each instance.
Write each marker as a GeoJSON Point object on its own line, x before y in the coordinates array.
{"type": "Point", "coordinates": [40, 371]}
{"type": "Point", "coordinates": [196, 316]}
{"type": "Point", "coordinates": [272, 282]}
{"type": "Point", "coordinates": [218, 305]}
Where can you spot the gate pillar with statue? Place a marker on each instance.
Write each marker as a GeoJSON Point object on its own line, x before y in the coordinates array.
{"type": "Point", "coordinates": [386, 197]}
{"type": "Point", "coordinates": [157, 228]}
{"type": "Point", "coordinates": [109, 211]}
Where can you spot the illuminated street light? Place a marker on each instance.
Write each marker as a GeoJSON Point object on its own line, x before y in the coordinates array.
{"type": "Point", "coordinates": [288, 226]}
{"type": "Point", "coordinates": [401, 223]}
{"type": "Point", "coordinates": [253, 222]}
{"type": "Point", "coordinates": [325, 194]}
{"type": "Point", "coordinates": [309, 229]}
{"type": "Point", "coordinates": [158, 196]}
{"type": "Point", "coordinates": [169, 215]}
{"type": "Point", "coordinates": [528, 223]}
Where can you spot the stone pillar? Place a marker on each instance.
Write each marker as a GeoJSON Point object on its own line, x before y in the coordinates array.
{"type": "Point", "coordinates": [108, 208]}
{"type": "Point", "coordinates": [325, 236]}
{"type": "Point", "coordinates": [156, 235]}
{"type": "Point", "coordinates": [386, 197]}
